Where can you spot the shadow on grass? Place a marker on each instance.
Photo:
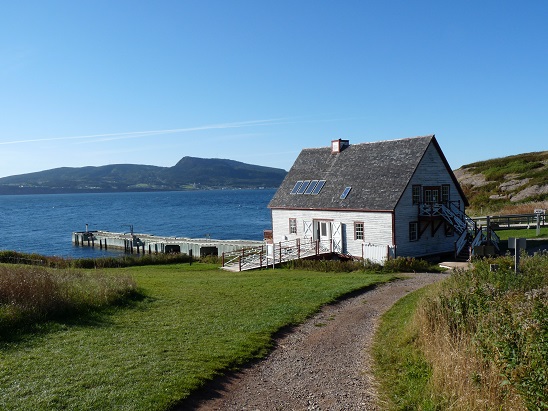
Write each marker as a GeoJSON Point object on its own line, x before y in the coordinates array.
{"type": "Point", "coordinates": [29, 330]}
{"type": "Point", "coordinates": [221, 384]}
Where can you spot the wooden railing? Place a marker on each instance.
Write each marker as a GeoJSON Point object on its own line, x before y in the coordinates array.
{"type": "Point", "coordinates": [272, 254]}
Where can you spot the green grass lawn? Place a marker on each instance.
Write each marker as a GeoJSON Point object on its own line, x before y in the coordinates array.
{"type": "Point", "coordinates": [523, 233]}
{"type": "Point", "coordinates": [400, 366]}
{"type": "Point", "coordinates": [194, 323]}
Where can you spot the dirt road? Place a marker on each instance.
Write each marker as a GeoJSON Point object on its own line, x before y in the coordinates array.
{"type": "Point", "coordinates": [323, 364]}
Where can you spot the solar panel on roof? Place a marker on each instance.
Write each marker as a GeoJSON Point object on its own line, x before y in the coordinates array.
{"type": "Point", "coordinates": [318, 187]}
{"type": "Point", "coordinates": [345, 192]}
{"type": "Point", "coordinates": [311, 186]}
{"type": "Point", "coordinates": [303, 187]}
{"type": "Point", "coordinates": [297, 186]}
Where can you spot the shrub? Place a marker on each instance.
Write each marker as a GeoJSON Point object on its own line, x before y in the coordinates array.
{"type": "Point", "coordinates": [29, 293]}
{"type": "Point", "coordinates": [493, 319]}
{"type": "Point", "coordinates": [400, 264]}
{"type": "Point", "coordinates": [126, 260]}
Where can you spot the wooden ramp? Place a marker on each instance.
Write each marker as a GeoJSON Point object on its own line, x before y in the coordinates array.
{"type": "Point", "coordinates": [273, 254]}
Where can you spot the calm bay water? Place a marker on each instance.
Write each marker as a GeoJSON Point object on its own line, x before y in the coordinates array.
{"type": "Point", "coordinates": [44, 223]}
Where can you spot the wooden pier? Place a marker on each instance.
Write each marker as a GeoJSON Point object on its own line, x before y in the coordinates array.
{"type": "Point", "coordinates": [133, 243]}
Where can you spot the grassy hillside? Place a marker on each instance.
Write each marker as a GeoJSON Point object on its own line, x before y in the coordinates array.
{"type": "Point", "coordinates": [506, 184]}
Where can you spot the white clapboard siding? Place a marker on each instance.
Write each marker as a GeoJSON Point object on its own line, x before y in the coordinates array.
{"type": "Point", "coordinates": [430, 172]}
{"type": "Point", "coordinates": [377, 227]}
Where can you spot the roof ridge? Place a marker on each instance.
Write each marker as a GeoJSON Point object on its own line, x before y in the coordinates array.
{"type": "Point", "coordinates": [377, 142]}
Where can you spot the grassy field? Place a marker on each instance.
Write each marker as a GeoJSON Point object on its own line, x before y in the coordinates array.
{"type": "Point", "coordinates": [523, 233]}
{"type": "Point", "coordinates": [193, 323]}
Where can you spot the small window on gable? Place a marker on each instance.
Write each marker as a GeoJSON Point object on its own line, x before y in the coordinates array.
{"type": "Point", "coordinates": [345, 192]}
{"type": "Point", "coordinates": [445, 190]}
{"type": "Point", "coordinates": [416, 194]}
{"type": "Point", "coordinates": [297, 186]}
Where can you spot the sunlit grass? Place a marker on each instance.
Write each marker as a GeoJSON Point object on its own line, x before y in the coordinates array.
{"type": "Point", "coordinates": [523, 233]}
{"type": "Point", "coordinates": [194, 323]}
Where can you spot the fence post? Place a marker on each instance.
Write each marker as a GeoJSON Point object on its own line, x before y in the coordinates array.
{"type": "Point", "coordinates": [223, 259]}
{"type": "Point", "coordinates": [298, 248]}
{"type": "Point", "coordinates": [280, 251]}
{"type": "Point", "coordinates": [239, 263]}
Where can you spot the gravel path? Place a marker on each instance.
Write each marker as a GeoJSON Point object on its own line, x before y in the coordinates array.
{"type": "Point", "coordinates": [323, 364]}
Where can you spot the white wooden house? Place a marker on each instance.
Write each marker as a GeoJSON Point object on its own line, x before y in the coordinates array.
{"type": "Point", "coordinates": [373, 200]}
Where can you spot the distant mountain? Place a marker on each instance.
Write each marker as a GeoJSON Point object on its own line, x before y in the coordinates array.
{"type": "Point", "coordinates": [188, 173]}
{"type": "Point", "coordinates": [497, 183]}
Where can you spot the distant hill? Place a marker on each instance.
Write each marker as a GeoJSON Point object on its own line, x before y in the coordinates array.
{"type": "Point", "coordinates": [493, 184]}
{"type": "Point", "coordinates": [188, 173]}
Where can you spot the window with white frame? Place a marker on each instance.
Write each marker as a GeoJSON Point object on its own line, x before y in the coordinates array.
{"type": "Point", "coordinates": [416, 194]}
{"type": "Point", "coordinates": [413, 231]}
{"type": "Point", "coordinates": [358, 231]}
{"type": "Point", "coordinates": [445, 193]}
{"type": "Point", "coordinates": [292, 226]}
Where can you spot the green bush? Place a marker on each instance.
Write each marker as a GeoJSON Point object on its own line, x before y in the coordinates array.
{"type": "Point", "coordinates": [31, 294]}
{"type": "Point", "coordinates": [397, 265]}
{"type": "Point", "coordinates": [126, 260]}
{"type": "Point", "coordinates": [506, 315]}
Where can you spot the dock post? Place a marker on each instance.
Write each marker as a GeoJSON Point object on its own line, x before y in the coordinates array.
{"type": "Point", "coordinates": [100, 244]}
{"type": "Point", "coordinates": [105, 243]}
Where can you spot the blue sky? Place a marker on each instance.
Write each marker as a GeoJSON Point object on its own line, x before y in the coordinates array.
{"type": "Point", "coordinates": [148, 82]}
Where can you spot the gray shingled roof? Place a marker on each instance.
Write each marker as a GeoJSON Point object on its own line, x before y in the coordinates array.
{"type": "Point", "coordinates": [377, 172]}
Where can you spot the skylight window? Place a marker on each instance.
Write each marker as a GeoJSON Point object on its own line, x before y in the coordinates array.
{"type": "Point", "coordinates": [345, 192]}
{"type": "Point", "coordinates": [308, 187]}
{"type": "Point", "coordinates": [303, 187]}
{"type": "Point", "coordinates": [297, 186]}
{"type": "Point", "coordinates": [318, 187]}
{"type": "Point", "coordinates": [311, 186]}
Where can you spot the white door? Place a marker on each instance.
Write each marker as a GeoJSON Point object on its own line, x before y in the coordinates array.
{"type": "Point", "coordinates": [337, 237]}
{"type": "Point", "coordinates": [323, 233]}
{"type": "Point", "coordinates": [307, 229]}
